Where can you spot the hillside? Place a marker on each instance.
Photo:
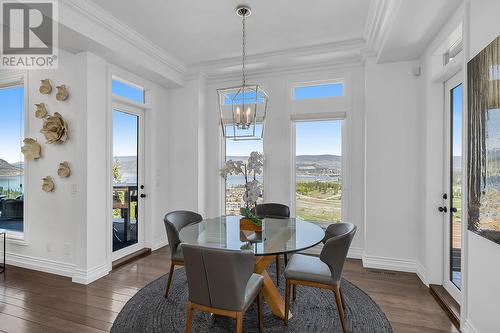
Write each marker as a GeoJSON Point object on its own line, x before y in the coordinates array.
{"type": "Point", "coordinates": [7, 169]}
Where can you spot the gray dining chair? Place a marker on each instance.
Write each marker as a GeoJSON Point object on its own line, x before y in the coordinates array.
{"type": "Point", "coordinates": [222, 282]}
{"type": "Point", "coordinates": [324, 272]}
{"type": "Point", "coordinates": [277, 211]}
{"type": "Point", "coordinates": [174, 222]}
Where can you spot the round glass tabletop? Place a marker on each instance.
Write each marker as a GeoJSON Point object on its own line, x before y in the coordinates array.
{"type": "Point", "coordinates": [278, 235]}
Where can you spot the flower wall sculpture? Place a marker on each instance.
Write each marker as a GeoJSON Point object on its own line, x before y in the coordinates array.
{"type": "Point", "coordinates": [41, 111]}
{"type": "Point", "coordinates": [31, 149]}
{"type": "Point", "coordinates": [55, 129]}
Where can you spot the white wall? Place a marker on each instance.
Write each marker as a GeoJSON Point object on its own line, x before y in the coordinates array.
{"type": "Point", "coordinates": [393, 177]}
{"type": "Point", "coordinates": [52, 218]}
{"type": "Point", "coordinates": [483, 271]}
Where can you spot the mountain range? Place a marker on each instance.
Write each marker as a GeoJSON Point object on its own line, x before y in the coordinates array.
{"type": "Point", "coordinates": [7, 169]}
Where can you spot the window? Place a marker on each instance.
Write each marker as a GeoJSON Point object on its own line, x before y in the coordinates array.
{"type": "Point", "coordinates": [239, 150]}
{"type": "Point", "coordinates": [318, 90]}
{"type": "Point", "coordinates": [318, 171]}
{"type": "Point", "coordinates": [11, 158]}
{"type": "Point", "coordinates": [127, 90]}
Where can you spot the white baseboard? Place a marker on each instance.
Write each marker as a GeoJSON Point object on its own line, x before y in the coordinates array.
{"type": "Point", "coordinates": [40, 264]}
{"type": "Point", "coordinates": [392, 264]}
{"type": "Point", "coordinates": [159, 244]}
{"type": "Point", "coordinates": [467, 327]}
{"type": "Point", "coordinates": [88, 276]}
{"type": "Point", "coordinates": [422, 273]}
{"type": "Point", "coordinates": [355, 253]}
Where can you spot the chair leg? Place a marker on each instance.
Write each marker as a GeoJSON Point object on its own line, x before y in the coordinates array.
{"type": "Point", "coordinates": [259, 309]}
{"type": "Point", "coordinates": [294, 292]}
{"type": "Point", "coordinates": [239, 322]}
{"type": "Point", "coordinates": [169, 281]}
{"type": "Point", "coordinates": [342, 297]}
{"type": "Point", "coordinates": [286, 259]}
{"type": "Point", "coordinates": [189, 318]}
{"type": "Point", "coordinates": [278, 270]}
{"type": "Point", "coordinates": [340, 308]}
{"type": "Point", "coordinates": [287, 300]}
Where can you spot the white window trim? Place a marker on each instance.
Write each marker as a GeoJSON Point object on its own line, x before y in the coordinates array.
{"type": "Point", "coordinates": [342, 116]}
{"type": "Point", "coordinates": [317, 83]}
{"type": "Point", "coordinates": [12, 78]}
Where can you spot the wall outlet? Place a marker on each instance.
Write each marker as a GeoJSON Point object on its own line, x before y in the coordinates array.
{"type": "Point", "coordinates": [73, 189]}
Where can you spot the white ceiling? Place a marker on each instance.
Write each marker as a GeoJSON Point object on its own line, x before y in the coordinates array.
{"type": "Point", "coordinates": [201, 30]}
{"type": "Point", "coordinates": [415, 25]}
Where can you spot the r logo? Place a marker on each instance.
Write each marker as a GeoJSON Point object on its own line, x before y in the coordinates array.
{"type": "Point", "coordinates": [28, 28]}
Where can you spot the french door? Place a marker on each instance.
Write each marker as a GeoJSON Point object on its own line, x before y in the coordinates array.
{"type": "Point", "coordinates": [452, 279]}
{"type": "Point", "coordinates": [127, 174]}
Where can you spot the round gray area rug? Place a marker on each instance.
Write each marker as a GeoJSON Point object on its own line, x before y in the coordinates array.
{"type": "Point", "coordinates": [314, 310]}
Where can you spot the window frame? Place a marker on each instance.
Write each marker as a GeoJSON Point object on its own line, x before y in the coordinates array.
{"type": "Point", "coordinates": [317, 83]}
{"type": "Point", "coordinates": [11, 79]}
{"type": "Point", "coordinates": [124, 100]}
{"type": "Point", "coordinates": [343, 117]}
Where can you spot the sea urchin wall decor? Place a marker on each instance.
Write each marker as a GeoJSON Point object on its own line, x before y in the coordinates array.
{"type": "Point", "coordinates": [64, 170]}
{"type": "Point", "coordinates": [55, 129]}
{"type": "Point", "coordinates": [31, 149]}
{"type": "Point", "coordinates": [45, 87]}
{"type": "Point", "coordinates": [48, 184]}
{"type": "Point", "coordinates": [62, 93]}
{"type": "Point", "coordinates": [41, 111]}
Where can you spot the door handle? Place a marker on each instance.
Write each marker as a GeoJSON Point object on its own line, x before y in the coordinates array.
{"type": "Point", "coordinates": [443, 209]}
{"type": "Point", "coordinates": [143, 195]}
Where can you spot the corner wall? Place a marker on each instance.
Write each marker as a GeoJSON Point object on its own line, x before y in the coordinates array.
{"type": "Point", "coordinates": [393, 178]}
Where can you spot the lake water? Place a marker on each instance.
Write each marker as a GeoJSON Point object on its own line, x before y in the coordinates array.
{"type": "Point", "coordinates": [240, 179]}
{"type": "Point", "coordinates": [11, 182]}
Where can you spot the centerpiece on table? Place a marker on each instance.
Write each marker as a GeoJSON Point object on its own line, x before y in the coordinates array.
{"type": "Point", "coordinates": [250, 170]}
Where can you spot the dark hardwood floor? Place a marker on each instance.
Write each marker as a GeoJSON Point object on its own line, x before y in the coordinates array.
{"type": "Point", "coordinates": [32, 301]}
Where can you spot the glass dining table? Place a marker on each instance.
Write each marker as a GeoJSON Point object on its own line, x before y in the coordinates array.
{"type": "Point", "coordinates": [279, 236]}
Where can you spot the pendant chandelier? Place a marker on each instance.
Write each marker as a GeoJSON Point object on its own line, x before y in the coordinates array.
{"type": "Point", "coordinates": [243, 108]}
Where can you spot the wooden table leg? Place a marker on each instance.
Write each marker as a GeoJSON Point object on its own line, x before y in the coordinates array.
{"type": "Point", "coordinates": [271, 293]}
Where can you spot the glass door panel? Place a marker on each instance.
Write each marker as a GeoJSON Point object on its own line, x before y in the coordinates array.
{"type": "Point", "coordinates": [318, 171]}
{"type": "Point", "coordinates": [456, 186]}
{"type": "Point", "coordinates": [125, 176]}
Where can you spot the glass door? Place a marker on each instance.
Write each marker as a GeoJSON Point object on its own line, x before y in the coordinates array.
{"type": "Point", "coordinates": [453, 186]}
{"type": "Point", "coordinates": [127, 178]}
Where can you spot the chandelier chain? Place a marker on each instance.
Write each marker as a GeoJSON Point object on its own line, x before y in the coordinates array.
{"type": "Point", "coordinates": [244, 53]}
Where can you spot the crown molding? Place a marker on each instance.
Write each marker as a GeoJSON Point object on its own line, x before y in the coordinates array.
{"type": "Point", "coordinates": [264, 73]}
{"type": "Point", "coordinates": [104, 19]}
{"type": "Point", "coordinates": [381, 14]}
{"type": "Point", "coordinates": [284, 60]}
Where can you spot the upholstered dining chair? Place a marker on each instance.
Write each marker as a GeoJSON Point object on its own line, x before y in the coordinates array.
{"type": "Point", "coordinates": [324, 272]}
{"type": "Point", "coordinates": [174, 222]}
{"type": "Point", "coordinates": [277, 211]}
{"type": "Point", "coordinates": [222, 282]}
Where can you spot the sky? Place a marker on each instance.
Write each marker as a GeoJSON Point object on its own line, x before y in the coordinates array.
{"type": "Point", "coordinates": [457, 120]}
{"type": "Point", "coordinates": [11, 123]}
{"type": "Point", "coordinates": [125, 129]}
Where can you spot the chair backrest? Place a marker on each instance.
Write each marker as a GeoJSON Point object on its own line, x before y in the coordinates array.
{"type": "Point", "coordinates": [217, 277]}
{"type": "Point", "coordinates": [174, 222]}
{"type": "Point", "coordinates": [335, 250]}
{"type": "Point", "coordinates": [272, 210]}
